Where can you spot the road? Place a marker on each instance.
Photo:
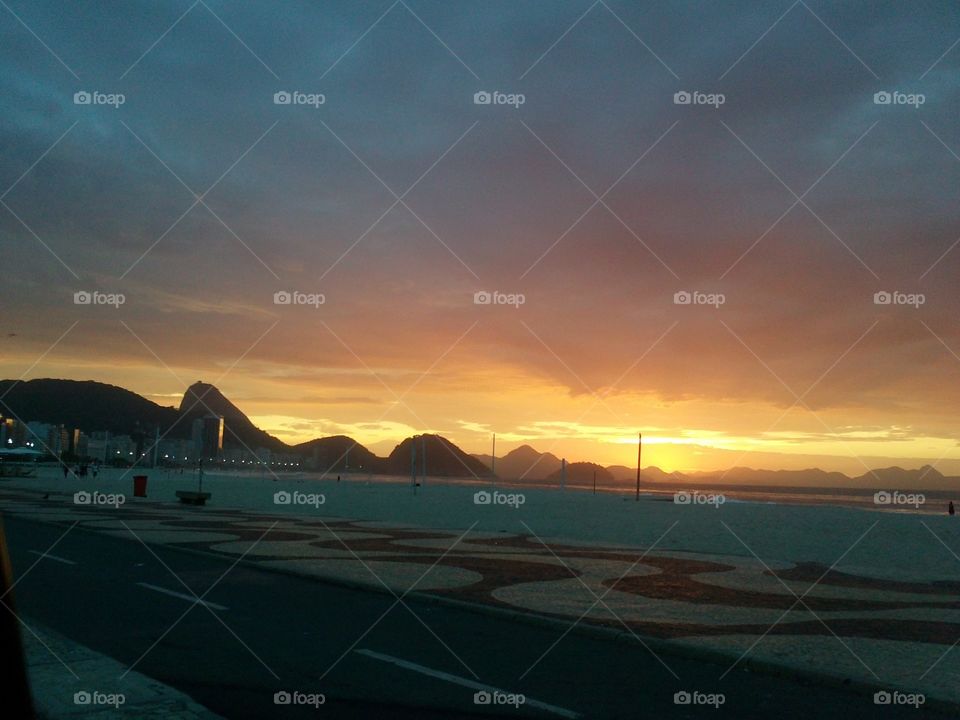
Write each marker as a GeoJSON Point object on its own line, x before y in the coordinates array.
{"type": "Point", "coordinates": [259, 632]}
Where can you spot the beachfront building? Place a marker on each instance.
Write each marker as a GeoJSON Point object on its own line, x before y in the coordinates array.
{"type": "Point", "coordinates": [105, 447]}
{"type": "Point", "coordinates": [207, 436]}
{"type": "Point", "coordinates": [13, 433]}
{"type": "Point", "coordinates": [175, 450]}
{"type": "Point", "coordinates": [49, 439]}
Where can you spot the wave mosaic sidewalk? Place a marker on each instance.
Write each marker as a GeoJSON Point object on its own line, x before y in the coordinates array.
{"type": "Point", "coordinates": [798, 614]}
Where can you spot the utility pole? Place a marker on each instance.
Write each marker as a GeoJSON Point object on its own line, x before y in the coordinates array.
{"type": "Point", "coordinates": [423, 451]}
{"type": "Point", "coordinates": [639, 450]}
{"type": "Point", "coordinates": [413, 465]}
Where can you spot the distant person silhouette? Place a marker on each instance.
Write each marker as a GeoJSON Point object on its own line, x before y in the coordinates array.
{"type": "Point", "coordinates": [950, 509]}
{"type": "Point", "coordinates": [66, 471]}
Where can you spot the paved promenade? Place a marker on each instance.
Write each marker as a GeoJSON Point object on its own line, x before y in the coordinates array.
{"type": "Point", "coordinates": [799, 615]}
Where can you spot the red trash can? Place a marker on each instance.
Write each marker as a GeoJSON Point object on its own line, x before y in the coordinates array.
{"type": "Point", "coordinates": [139, 485]}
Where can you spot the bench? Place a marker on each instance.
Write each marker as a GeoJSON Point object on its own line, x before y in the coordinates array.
{"type": "Point", "coordinates": [193, 498]}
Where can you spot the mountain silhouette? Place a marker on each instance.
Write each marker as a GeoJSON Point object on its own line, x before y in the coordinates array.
{"type": "Point", "coordinates": [338, 454]}
{"type": "Point", "coordinates": [444, 459]}
{"type": "Point", "coordinates": [201, 399]}
{"type": "Point", "coordinates": [93, 406]}
{"type": "Point", "coordinates": [83, 404]}
{"type": "Point", "coordinates": [523, 462]}
{"type": "Point", "coordinates": [896, 477]}
{"type": "Point", "coordinates": [582, 473]}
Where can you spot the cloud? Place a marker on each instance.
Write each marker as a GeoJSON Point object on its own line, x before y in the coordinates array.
{"type": "Point", "coordinates": [301, 198]}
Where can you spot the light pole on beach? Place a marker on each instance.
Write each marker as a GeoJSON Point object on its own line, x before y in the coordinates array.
{"type": "Point", "coordinates": [639, 450]}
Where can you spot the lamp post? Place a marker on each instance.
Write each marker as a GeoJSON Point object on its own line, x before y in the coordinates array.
{"type": "Point", "coordinates": [639, 451]}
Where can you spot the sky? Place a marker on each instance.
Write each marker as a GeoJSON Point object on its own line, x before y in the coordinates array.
{"type": "Point", "coordinates": [587, 201]}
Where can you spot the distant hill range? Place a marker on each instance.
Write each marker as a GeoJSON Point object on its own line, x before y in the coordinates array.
{"type": "Point", "coordinates": [583, 473]}
{"type": "Point", "coordinates": [528, 464]}
{"type": "Point", "coordinates": [340, 453]}
{"type": "Point", "coordinates": [93, 406]}
{"type": "Point", "coordinates": [523, 463]}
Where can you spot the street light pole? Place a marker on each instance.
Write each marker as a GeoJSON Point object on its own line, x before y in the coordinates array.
{"type": "Point", "coordinates": [639, 451]}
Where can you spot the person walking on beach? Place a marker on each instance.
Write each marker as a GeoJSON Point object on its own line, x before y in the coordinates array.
{"type": "Point", "coordinates": [950, 510]}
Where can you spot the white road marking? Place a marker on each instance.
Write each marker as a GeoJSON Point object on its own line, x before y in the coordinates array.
{"type": "Point", "coordinates": [182, 596]}
{"type": "Point", "coordinates": [53, 557]}
{"type": "Point", "coordinates": [466, 682]}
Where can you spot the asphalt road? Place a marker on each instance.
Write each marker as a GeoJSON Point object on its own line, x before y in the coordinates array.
{"type": "Point", "coordinates": [277, 633]}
